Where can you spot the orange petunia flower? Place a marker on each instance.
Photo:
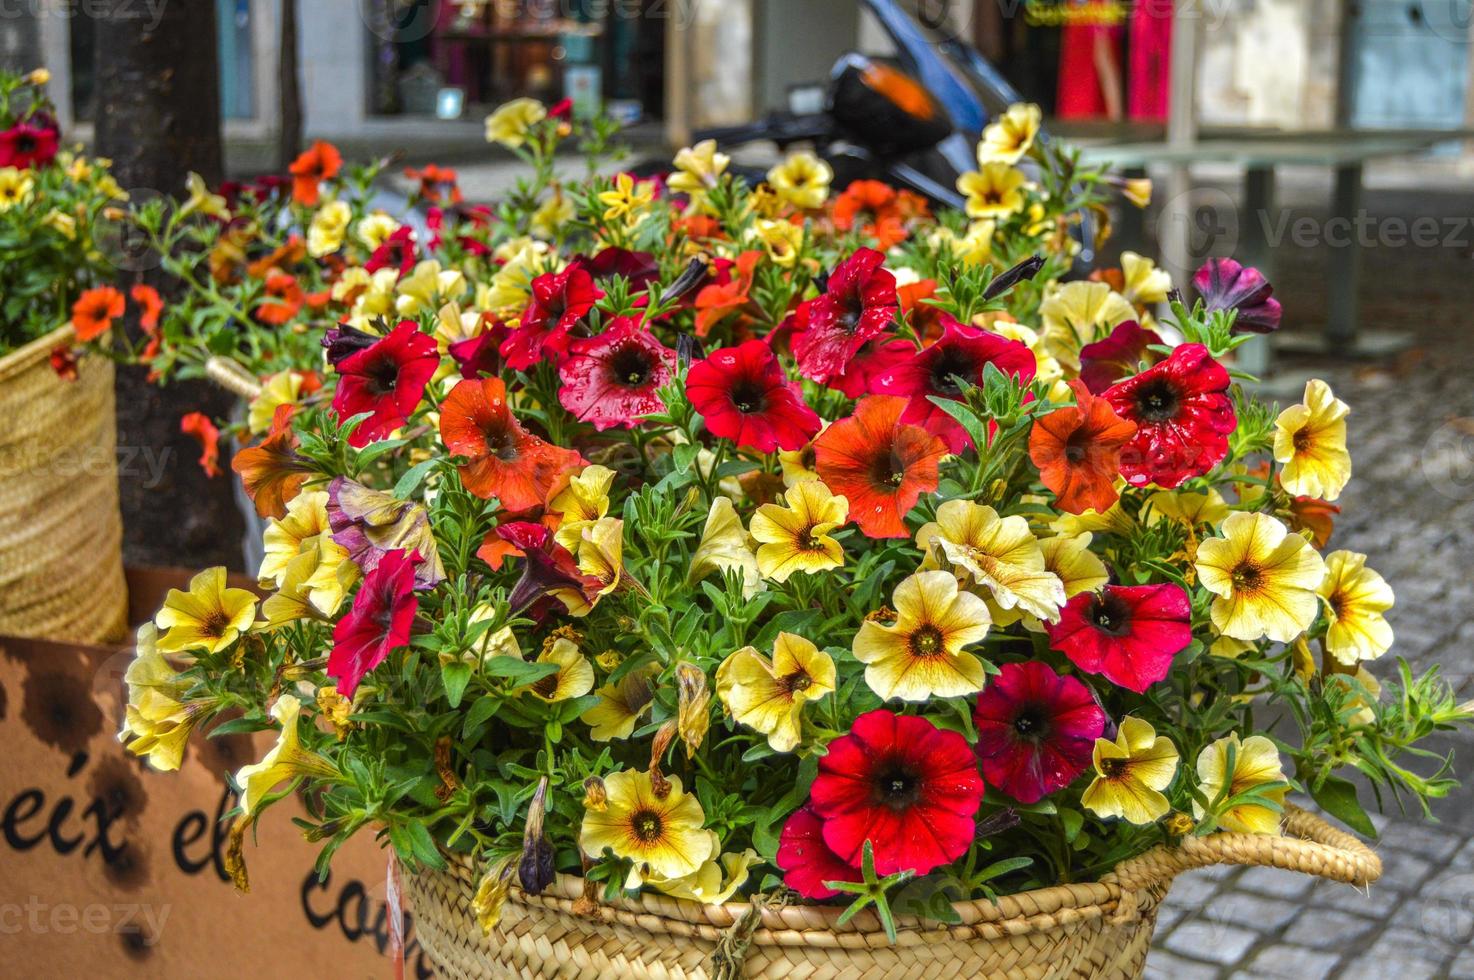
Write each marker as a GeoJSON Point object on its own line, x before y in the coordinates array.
{"type": "Point", "coordinates": [718, 301]}
{"type": "Point", "coordinates": [95, 310]}
{"type": "Point", "coordinates": [150, 304]}
{"type": "Point", "coordinates": [436, 183]}
{"type": "Point", "coordinates": [878, 210]}
{"type": "Point", "coordinates": [284, 300]}
{"type": "Point", "coordinates": [320, 162]}
{"type": "Point", "coordinates": [924, 318]}
{"type": "Point", "coordinates": [1078, 451]}
{"type": "Point", "coordinates": [272, 472]}
{"type": "Point", "coordinates": [291, 252]}
{"type": "Point", "coordinates": [879, 464]}
{"type": "Point", "coordinates": [198, 426]}
{"type": "Point", "coordinates": [505, 461]}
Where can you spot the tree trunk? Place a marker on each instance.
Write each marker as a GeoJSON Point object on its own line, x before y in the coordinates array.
{"type": "Point", "coordinates": [291, 89]}
{"type": "Point", "coordinates": [158, 118]}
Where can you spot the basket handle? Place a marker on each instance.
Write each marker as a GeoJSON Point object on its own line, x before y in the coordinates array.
{"type": "Point", "coordinates": [1309, 845]}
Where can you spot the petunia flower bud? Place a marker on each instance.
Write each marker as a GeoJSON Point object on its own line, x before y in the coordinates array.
{"type": "Point", "coordinates": [693, 717]}
{"type": "Point", "coordinates": [659, 784]}
{"type": "Point", "coordinates": [491, 893]}
{"type": "Point", "coordinates": [595, 797]}
{"type": "Point", "coordinates": [535, 870]}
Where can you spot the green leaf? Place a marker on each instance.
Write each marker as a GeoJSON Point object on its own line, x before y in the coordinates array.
{"type": "Point", "coordinates": [965, 416]}
{"type": "Point", "coordinates": [481, 712]}
{"type": "Point", "coordinates": [456, 675]}
{"type": "Point", "coordinates": [519, 672]}
{"type": "Point", "coordinates": [1337, 797]}
{"type": "Point", "coordinates": [412, 478]}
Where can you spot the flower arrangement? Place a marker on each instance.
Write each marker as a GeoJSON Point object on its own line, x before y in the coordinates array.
{"type": "Point", "coordinates": [707, 539]}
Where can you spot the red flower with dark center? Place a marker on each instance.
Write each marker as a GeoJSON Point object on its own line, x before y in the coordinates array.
{"type": "Point", "coordinates": [320, 162]}
{"type": "Point", "coordinates": [1226, 285]}
{"type": "Point", "coordinates": [859, 303]}
{"type": "Point", "coordinates": [807, 860]}
{"type": "Point", "coordinates": [1036, 730]}
{"type": "Point", "coordinates": [388, 379]}
{"type": "Point", "coordinates": [905, 785]}
{"type": "Point", "coordinates": [397, 252]}
{"type": "Point", "coordinates": [30, 143]}
{"type": "Point", "coordinates": [963, 352]}
{"type": "Point", "coordinates": [481, 354]}
{"type": "Point", "coordinates": [95, 310]}
{"type": "Point", "coordinates": [505, 460]}
{"type": "Point", "coordinates": [1105, 362]}
{"type": "Point", "coordinates": [1183, 417]}
{"type": "Point", "coordinates": [272, 472]}
{"type": "Point", "coordinates": [879, 463]}
{"type": "Point", "coordinates": [559, 301]}
{"type": "Point", "coordinates": [640, 268]}
{"type": "Point", "coordinates": [379, 622]}
{"type": "Point", "coordinates": [1126, 633]}
{"type": "Point", "coordinates": [615, 378]}
{"type": "Point", "coordinates": [743, 395]}
{"type": "Point", "coordinates": [1078, 452]}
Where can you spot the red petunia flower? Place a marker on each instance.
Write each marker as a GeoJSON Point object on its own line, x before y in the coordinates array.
{"type": "Point", "coordinates": [505, 461]}
{"type": "Point", "coordinates": [272, 472]}
{"type": "Point", "coordinates": [1078, 452]}
{"type": "Point", "coordinates": [386, 378]}
{"type": "Point", "coordinates": [481, 354]}
{"type": "Point", "coordinates": [151, 307]}
{"type": "Point", "coordinates": [550, 573]}
{"type": "Point", "coordinates": [198, 426]}
{"type": "Point", "coordinates": [905, 785]}
{"type": "Point", "coordinates": [95, 310]}
{"type": "Point", "coordinates": [398, 251]}
{"type": "Point", "coordinates": [436, 183]}
{"type": "Point", "coordinates": [1126, 633]}
{"type": "Point", "coordinates": [743, 395]}
{"type": "Point", "coordinates": [1105, 362]}
{"type": "Point", "coordinates": [320, 162]}
{"type": "Point", "coordinates": [807, 860]}
{"type": "Point", "coordinates": [1036, 730]}
{"type": "Point", "coordinates": [379, 622]}
{"type": "Point", "coordinates": [858, 304]}
{"type": "Point", "coordinates": [640, 268]}
{"type": "Point", "coordinates": [30, 143]}
{"type": "Point", "coordinates": [879, 463]}
{"type": "Point", "coordinates": [963, 352]}
{"type": "Point", "coordinates": [1183, 416]}
{"type": "Point", "coordinates": [559, 301]}
{"type": "Point", "coordinates": [1227, 285]}
{"type": "Point", "coordinates": [615, 378]}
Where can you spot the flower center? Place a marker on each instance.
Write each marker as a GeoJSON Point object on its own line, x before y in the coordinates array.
{"type": "Point", "coordinates": [808, 540]}
{"type": "Point", "coordinates": [1114, 768]}
{"type": "Point", "coordinates": [1302, 440]}
{"type": "Point", "coordinates": [546, 686]}
{"type": "Point", "coordinates": [631, 367]}
{"type": "Point", "coordinates": [1111, 615]}
{"type": "Point", "coordinates": [887, 470]}
{"type": "Point", "coordinates": [382, 376]}
{"type": "Point", "coordinates": [896, 787]}
{"type": "Point", "coordinates": [1247, 578]}
{"type": "Point", "coordinates": [1031, 723]}
{"type": "Point", "coordinates": [1158, 401]}
{"type": "Point", "coordinates": [647, 826]}
{"type": "Point", "coordinates": [25, 143]}
{"type": "Point", "coordinates": [950, 365]}
{"type": "Point", "coordinates": [215, 623]}
{"type": "Point", "coordinates": [927, 641]}
{"type": "Point", "coordinates": [749, 397]}
{"type": "Point", "coordinates": [795, 682]}
{"type": "Point", "coordinates": [1077, 447]}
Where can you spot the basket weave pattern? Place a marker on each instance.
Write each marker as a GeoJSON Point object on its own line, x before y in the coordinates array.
{"type": "Point", "coordinates": [61, 563]}
{"type": "Point", "coordinates": [1096, 930]}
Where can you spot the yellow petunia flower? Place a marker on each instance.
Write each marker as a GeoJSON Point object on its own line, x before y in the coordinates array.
{"type": "Point", "coordinates": [725, 547]}
{"type": "Point", "coordinates": [282, 388]}
{"type": "Point", "coordinates": [1264, 576]}
{"type": "Point", "coordinates": [1310, 444]}
{"type": "Point", "coordinates": [62, 223]}
{"type": "Point", "coordinates": [511, 122]}
{"type": "Point", "coordinates": [1080, 313]}
{"type": "Point", "coordinates": [1078, 568]}
{"type": "Point", "coordinates": [1138, 190]}
{"type": "Point", "coordinates": [581, 503]}
{"type": "Point", "coordinates": [1356, 598]}
{"type": "Point", "coordinates": [782, 240]}
{"type": "Point", "coordinates": [994, 190]}
{"type": "Point", "coordinates": [921, 655]}
{"type": "Point", "coordinates": [600, 553]}
{"type": "Point", "coordinates": [157, 721]}
{"type": "Point", "coordinates": [328, 229]}
{"type": "Point", "coordinates": [1187, 508]}
{"type": "Point", "coordinates": [1145, 284]}
{"type": "Point", "coordinates": [376, 229]}
{"type": "Point", "coordinates": [1000, 554]}
{"type": "Point", "coordinates": [575, 676]}
{"type": "Point", "coordinates": [550, 217]}
{"type": "Point", "coordinates": [209, 616]}
{"type": "Point", "coordinates": [492, 891]}
{"type": "Point", "coordinates": [1115, 520]}
{"type": "Point", "coordinates": [620, 706]}
{"type": "Point", "coordinates": [662, 837]}
{"type": "Point", "coordinates": [202, 201]}
{"type": "Point", "coordinates": [1011, 135]}
{"type": "Point", "coordinates": [794, 536]}
{"type": "Point", "coordinates": [17, 187]}
{"type": "Point", "coordinates": [306, 521]}
{"type": "Point", "coordinates": [628, 198]}
{"type": "Point", "coordinates": [1256, 762]}
{"type": "Point", "coordinates": [1131, 773]}
{"type": "Point", "coordinates": [428, 287]}
{"type": "Point", "coordinates": [287, 759]}
{"type": "Point", "coordinates": [715, 882]}
{"type": "Point", "coordinates": [769, 696]}
{"type": "Point", "coordinates": [802, 180]}
{"type": "Point", "coordinates": [292, 600]}
{"type": "Point", "coordinates": [697, 169]}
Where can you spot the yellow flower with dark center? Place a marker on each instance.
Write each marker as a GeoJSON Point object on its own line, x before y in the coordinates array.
{"type": "Point", "coordinates": [1131, 773]}
{"type": "Point", "coordinates": [376, 229]}
{"type": "Point", "coordinates": [209, 616]}
{"type": "Point", "coordinates": [782, 240]}
{"type": "Point", "coordinates": [1356, 597]}
{"type": "Point", "coordinates": [921, 654]}
{"type": "Point", "coordinates": [697, 169]}
{"type": "Point", "coordinates": [994, 190]}
{"type": "Point", "coordinates": [17, 187]}
{"type": "Point", "coordinates": [583, 501]}
{"type": "Point", "coordinates": [1011, 135]}
{"type": "Point", "coordinates": [1078, 568]}
{"type": "Point", "coordinates": [628, 198]}
{"type": "Point", "coordinates": [715, 882]}
{"type": "Point", "coordinates": [725, 547]}
{"type": "Point", "coordinates": [575, 676]}
{"type": "Point", "coordinates": [802, 180]}
{"type": "Point", "coordinates": [1080, 313]}
{"type": "Point", "coordinates": [662, 837]}
{"type": "Point", "coordinates": [769, 696]}
{"type": "Point", "coordinates": [1310, 444]}
{"type": "Point", "coordinates": [620, 706]}
{"type": "Point", "coordinates": [287, 759]}
{"type": "Point", "coordinates": [999, 554]}
{"type": "Point", "coordinates": [1256, 762]}
{"type": "Point", "coordinates": [1265, 579]}
{"type": "Point", "coordinates": [794, 537]}
{"type": "Point", "coordinates": [512, 121]}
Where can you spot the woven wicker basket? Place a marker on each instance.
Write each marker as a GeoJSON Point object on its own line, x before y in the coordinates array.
{"type": "Point", "coordinates": [61, 536]}
{"type": "Point", "coordinates": [1098, 930]}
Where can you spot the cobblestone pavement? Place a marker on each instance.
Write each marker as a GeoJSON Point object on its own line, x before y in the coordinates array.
{"type": "Point", "coordinates": [1410, 508]}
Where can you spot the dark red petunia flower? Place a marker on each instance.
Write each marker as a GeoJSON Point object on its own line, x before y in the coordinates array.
{"type": "Point", "coordinates": [743, 395]}
{"type": "Point", "coordinates": [905, 785]}
{"type": "Point", "coordinates": [379, 622]}
{"type": "Point", "coordinates": [879, 463]}
{"type": "Point", "coordinates": [640, 268]}
{"type": "Point", "coordinates": [342, 342]}
{"type": "Point", "coordinates": [481, 354]}
{"type": "Point", "coordinates": [1126, 633]}
{"type": "Point", "coordinates": [1078, 452]}
{"type": "Point", "coordinates": [30, 143]}
{"type": "Point", "coordinates": [559, 301]}
{"type": "Point", "coordinates": [615, 378]}
{"type": "Point", "coordinates": [1036, 730]}
{"type": "Point", "coordinates": [1183, 417]}
{"type": "Point", "coordinates": [550, 570]}
{"type": "Point", "coordinates": [1105, 362]}
{"type": "Point", "coordinates": [505, 460]}
{"type": "Point", "coordinates": [858, 304]}
{"type": "Point", "coordinates": [1226, 285]}
{"type": "Point", "coordinates": [387, 378]}
{"type": "Point", "coordinates": [397, 252]}
{"type": "Point", "coordinates": [963, 352]}
{"type": "Point", "coordinates": [807, 860]}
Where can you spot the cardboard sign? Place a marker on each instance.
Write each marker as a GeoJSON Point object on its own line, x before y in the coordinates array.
{"type": "Point", "coordinates": [110, 869]}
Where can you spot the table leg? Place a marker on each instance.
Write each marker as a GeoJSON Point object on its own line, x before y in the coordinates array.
{"type": "Point", "coordinates": [1343, 309]}
{"type": "Point", "coordinates": [1255, 357]}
